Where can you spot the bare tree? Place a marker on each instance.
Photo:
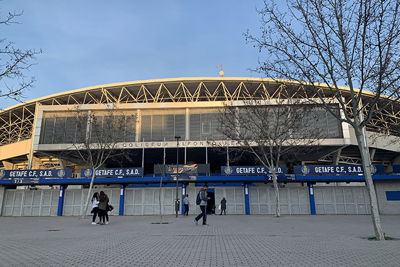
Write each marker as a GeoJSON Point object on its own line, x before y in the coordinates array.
{"type": "Point", "coordinates": [354, 43]}
{"type": "Point", "coordinates": [272, 131]}
{"type": "Point", "coordinates": [98, 134]}
{"type": "Point", "coordinates": [14, 62]}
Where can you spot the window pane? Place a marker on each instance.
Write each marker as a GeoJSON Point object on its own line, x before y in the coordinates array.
{"type": "Point", "coordinates": [70, 130]}
{"type": "Point", "coordinates": [59, 131]}
{"type": "Point", "coordinates": [130, 129]}
{"type": "Point", "coordinates": [180, 126]}
{"type": "Point", "coordinates": [47, 131]}
{"type": "Point", "coordinates": [194, 126]}
{"type": "Point", "coordinates": [146, 128]}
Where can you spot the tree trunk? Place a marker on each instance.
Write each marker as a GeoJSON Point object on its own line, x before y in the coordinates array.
{"type": "Point", "coordinates": [367, 166]}
{"type": "Point", "coordinates": [277, 204]}
{"type": "Point", "coordinates": [84, 211]}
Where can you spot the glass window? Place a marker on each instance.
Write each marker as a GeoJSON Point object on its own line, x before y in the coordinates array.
{"type": "Point", "coordinates": [47, 131]}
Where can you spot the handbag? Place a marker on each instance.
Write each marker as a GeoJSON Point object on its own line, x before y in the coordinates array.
{"type": "Point", "coordinates": [110, 207]}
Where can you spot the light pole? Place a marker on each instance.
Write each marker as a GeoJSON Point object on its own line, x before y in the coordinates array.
{"type": "Point", "coordinates": [177, 173]}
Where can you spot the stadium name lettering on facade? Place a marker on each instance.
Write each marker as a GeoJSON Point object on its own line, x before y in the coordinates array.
{"type": "Point", "coordinates": [181, 143]}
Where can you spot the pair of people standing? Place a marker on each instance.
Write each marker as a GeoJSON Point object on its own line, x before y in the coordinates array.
{"type": "Point", "coordinates": [100, 205]}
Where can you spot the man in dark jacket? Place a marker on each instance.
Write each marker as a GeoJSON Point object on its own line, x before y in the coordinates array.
{"type": "Point", "coordinates": [223, 206]}
{"type": "Point", "coordinates": [203, 205]}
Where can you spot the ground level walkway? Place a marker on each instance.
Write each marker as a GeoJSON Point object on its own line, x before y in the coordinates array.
{"type": "Point", "coordinates": [232, 240]}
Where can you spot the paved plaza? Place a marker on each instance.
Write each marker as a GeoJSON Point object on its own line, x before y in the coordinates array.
{"type": "Point", "coordinates": [232, 240]}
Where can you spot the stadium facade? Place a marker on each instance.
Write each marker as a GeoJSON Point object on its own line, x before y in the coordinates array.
{"type": "Point", "coordinates": [42, 174]}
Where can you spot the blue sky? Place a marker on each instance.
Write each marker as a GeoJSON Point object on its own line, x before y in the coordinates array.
{"type": "Point", "coordinates": [88, 43]}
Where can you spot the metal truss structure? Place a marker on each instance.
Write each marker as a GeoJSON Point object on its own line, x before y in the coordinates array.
{"type": "Point", "coordinates": [16, 122]}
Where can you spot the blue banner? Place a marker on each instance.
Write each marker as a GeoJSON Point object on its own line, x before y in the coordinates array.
{"type": "Point", "coordinates": [26, 180]}
{"type": "Point", "coordinates": [396, 168]}
{"type": "Point", "coordinates": [336, 169]}
{"type": "Point", "coordinates": [250, 170]}
{"type": "Point", "coordinates": [63, 173]}
{"type": "Point", "coordinates": [114, 172]}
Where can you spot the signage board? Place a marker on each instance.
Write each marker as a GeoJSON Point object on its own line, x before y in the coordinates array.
{"type": "Point", "coordinates": [22, 174]}
{"type": "Point", "coordinates": [113, 172]}
{"type": "Point", "coordinates": [396, 168]}
{"type": "Point", "coordinates": [250, 170]}
{"type": "Point", "coordinates": [336, 169]}
{"type": "Point", "coordinates": [26, 180]}
{"type": "Point", "coordinates": [187, 168]}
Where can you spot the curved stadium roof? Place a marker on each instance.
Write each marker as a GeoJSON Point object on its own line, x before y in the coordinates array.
{"type": "Point", "coordinates": [21, 116]}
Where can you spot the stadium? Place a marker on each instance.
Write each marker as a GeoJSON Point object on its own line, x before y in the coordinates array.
{"type": "Point", "coordinates": [170, 126]}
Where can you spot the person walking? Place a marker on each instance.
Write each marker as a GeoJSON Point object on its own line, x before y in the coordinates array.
{"type": "Point", "coordinates": [103, 200]}
{"type": "Point", "coordinates": [186, 205]}
{"type": "Point", "coordinates": [223, 206]}
{"type": "Point", "coordinates": [202, 201]}
{"type": "Point", "coordinates": [95, 207]}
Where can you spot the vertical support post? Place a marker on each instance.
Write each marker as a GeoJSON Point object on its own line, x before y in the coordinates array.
{"type": "Point", "coordinates": [61, 200]}
{"type": "Point", "coordinates": [227, 155]}
{"type": "Point", "coordinates": [206, 151]}
{"type": "Point", "coordinates": [2, 193]}
{"type": "Point", "coordinates": [122, 200]}
{"type": "Point", "coordinates": [143, 155]}
{"type": "Point", "coordinates": [312, 199]}
{"type": "Point", "coordinates": [246, 199]}
{"type": "Point", "coordinates": [177, 176]}
{"type": "Point", "coordinates": [183, 196]}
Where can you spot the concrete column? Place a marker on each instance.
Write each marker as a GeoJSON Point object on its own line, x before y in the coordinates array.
{"type": "Point", "coordinates": [312, 199]}
{"type": "Point", "coordinates": [122, 200]}
{"type": "Point", "coordinates": [246, 199]}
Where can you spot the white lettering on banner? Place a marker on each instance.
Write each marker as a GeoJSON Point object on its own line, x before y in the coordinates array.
{"type": "Point", "coordinates": [340, 169]}
{"type": "Point", "coordinates": [122, 192]}
{"type": "Point", "coordinates": [324, 169]}
{"type": "Point", "coordinates": [354, 169]}
{"type": "Point", "coordinates": [245, 170]}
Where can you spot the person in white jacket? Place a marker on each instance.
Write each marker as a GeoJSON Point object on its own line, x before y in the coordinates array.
{"type": "Point", "coordinates": [95, 206]}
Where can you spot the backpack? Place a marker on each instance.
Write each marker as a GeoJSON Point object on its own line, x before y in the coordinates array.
{"type": "Point", "coordinates": [198, 199]}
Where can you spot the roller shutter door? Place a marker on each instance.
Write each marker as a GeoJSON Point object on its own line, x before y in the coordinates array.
{"type": "Point", "coordinates": [21, 202]}
{"type": "Point", "coordinates": [341, 200]}
{"type": "Point", "coordinates": [293, 199]}
{"type": "Point", "coordinates": [74, 200]}
{"type": "Point", "coordinates": [145, 201]}
{"type": "Point", "coordinates": [234, 199]}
